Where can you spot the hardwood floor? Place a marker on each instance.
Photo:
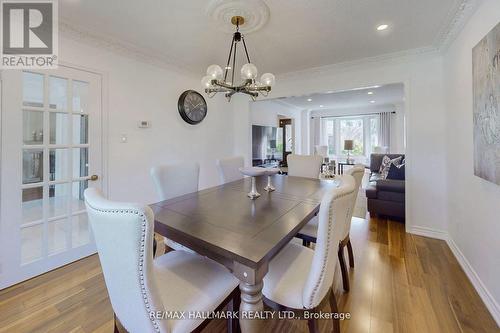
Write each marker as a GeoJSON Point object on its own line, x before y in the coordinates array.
{"type": "Point", "coordinates": [400, 283]}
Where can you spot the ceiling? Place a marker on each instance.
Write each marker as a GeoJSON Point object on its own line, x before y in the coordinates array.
{"type": "Point", "coordinates": [390, 94]}
{"type": "Point", "coordinates": [299, 34]}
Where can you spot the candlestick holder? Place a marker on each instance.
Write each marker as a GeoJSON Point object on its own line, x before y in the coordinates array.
{"type": "Point", "coordinates": [253, 194]}
{"type": "Point", "coordinates": [270, 172]}
{"type": "Point", "coordinates": [253, 172]}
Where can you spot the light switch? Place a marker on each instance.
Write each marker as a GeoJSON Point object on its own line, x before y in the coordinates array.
{"type": "Point", "coordinates": [124, 138]}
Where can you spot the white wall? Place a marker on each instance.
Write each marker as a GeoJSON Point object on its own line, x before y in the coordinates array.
{"type": "Point", "coordinates": [137, 91]}
{"type": "Point", "coordinates": [267, 113]}
{"type": "Point", "coordinates": [398, 130]}
{"type": "Point", "coordinates": [473, 203]}
{"type": "Point", "coordinates": [422, 76]}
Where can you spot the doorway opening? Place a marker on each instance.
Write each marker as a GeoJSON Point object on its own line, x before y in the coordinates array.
{"type": "Point", "coordinates": [356, 126]}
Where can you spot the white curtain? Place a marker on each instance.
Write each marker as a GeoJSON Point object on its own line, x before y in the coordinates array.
{"type": "Point", "coordinates": [384, 131]}
{"type": "Point", "coordinates": [315, 133]}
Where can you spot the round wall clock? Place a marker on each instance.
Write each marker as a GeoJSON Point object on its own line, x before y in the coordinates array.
{"type": "Point", "coordinates": [192, 107]}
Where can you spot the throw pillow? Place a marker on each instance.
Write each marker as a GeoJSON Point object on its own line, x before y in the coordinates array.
{"type": "Point", "coordinates": [396, 172]}
{"type": "Point", "coordinates": [386, 164]}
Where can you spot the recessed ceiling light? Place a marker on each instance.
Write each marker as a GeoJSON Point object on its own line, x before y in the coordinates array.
{"type": "Point", "coordinates": [321, 106]}
{"type": "Point", "coordinates": [372, 102]}
{"type": "Point", "coordinates": [370, 93]}
{"type": "Point", "coordinates": [309, 99]}
{"type": "Point", "coordinates": [382, 27]}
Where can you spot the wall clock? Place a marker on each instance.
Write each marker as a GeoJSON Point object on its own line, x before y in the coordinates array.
{"type": "Point", "coordinates": [192, 107]}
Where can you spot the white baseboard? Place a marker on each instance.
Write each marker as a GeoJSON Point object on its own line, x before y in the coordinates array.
{"type": "Point", "coordinates": [481, 289]}
{"type": "Point", "coordinates": [486, 297]}
{"type": "Point", "coordinates": [428, 232]}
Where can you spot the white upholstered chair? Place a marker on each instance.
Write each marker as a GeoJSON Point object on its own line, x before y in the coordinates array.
{"type": "Point", "coordinates": [308, 166]}
{"type": "Point", "coordinates": [357, 171]}
{"type": "Point", "coordinates": [299, 278]}
{"type": "Point", "coordinates": [321, 151]}
{"type": "Point", "coordinates": [310, 231]}
{"type": "Point", "coordinates": [138, 286]}
{"type": "Point", "coordinates": [229, 169]}
{"type": "Point", "coordinates": [174, 180]}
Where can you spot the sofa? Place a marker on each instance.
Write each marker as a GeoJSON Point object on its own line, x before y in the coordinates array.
{"type": "Point", "coordinates": [386, 197]}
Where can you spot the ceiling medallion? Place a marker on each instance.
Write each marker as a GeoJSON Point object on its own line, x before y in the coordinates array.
{"type": "Point", "coordinates": [255, 12]}
{"type": "Point", "coordinates": [218, 80]}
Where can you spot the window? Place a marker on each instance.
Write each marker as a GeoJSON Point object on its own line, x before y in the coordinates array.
{"type": "Point", "coordinates": [363, 130]}
{"type": "Point", "coordinates": [352, 129]}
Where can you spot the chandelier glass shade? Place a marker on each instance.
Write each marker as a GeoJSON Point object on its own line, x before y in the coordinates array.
{"type": "Point", "coordinates": [220, 80]}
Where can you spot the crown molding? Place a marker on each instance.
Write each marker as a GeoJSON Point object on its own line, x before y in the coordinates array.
{"type": "Point", "coordinates": [456, 20]}
{"type": "Point", "coordinates": [400, 56]}
{"type": "Point", "coordinates": [122, 48]}
{"type": "Point", "coordinates": [217, 9]}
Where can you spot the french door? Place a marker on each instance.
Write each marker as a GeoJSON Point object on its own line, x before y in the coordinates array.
{"type": "Point", "coordinates": [51, 151]}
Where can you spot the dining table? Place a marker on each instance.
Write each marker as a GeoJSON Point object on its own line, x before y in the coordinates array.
{"type": "Point", "coordinates": [223, 224]}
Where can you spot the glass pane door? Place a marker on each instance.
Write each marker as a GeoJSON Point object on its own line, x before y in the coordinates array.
{"type": "Point", "coordinates": [58, 113]}
{"type": "Point", "coordinates": [55, 167]}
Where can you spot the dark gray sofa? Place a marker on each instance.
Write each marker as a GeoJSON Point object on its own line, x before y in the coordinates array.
{"type": "Point", "coordinates": [386, 197]}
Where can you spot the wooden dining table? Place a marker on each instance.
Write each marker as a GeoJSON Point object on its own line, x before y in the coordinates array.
{"type": "Point", "coordinates": [225, 225]}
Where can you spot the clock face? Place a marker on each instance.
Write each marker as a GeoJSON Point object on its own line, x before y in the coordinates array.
{"type": "Point", "coordinates": [192, 107]}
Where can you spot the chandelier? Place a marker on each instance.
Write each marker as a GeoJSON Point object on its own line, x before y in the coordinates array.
{"type": "Point", "coordinates": [217, 80]}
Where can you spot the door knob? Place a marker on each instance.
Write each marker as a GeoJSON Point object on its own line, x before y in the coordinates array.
{"type": "Point", "coordinates": [94, 178]}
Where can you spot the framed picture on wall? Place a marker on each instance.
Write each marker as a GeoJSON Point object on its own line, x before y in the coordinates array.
{"type": "Point", "coordinates": [486, 95]}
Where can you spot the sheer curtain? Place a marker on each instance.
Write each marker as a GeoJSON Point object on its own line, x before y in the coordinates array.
{"type": "Point", "coordinates": [384, 131]}
{"type": "Point", "coordinates": [315, 138]}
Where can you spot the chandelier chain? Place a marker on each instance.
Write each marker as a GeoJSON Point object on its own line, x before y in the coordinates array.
{"type": "Point", "coordinates": [245, 46]}
{"type": "Point", "coordinates": [234, 63]}
{"type": "Point", "coordinates": [229, 59]}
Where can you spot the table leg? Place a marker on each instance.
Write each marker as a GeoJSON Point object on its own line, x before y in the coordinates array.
{"type": "Point", "coordinates": [251, 295]}
{"type": "Point", "coordinates": [251, 301]}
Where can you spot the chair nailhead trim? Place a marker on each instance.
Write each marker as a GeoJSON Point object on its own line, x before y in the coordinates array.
{"type": "Point", "coordinates": [141, 256]}
{"type": "Point", "coordinates": [323, 267]}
